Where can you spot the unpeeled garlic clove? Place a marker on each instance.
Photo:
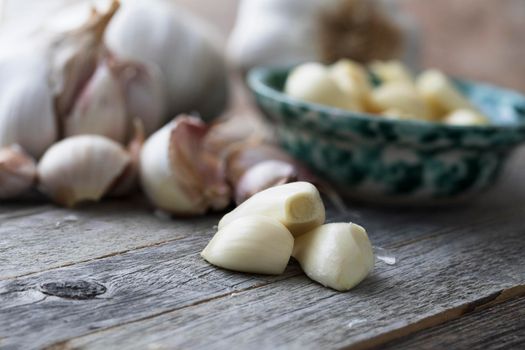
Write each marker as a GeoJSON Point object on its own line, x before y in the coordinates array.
{"type": "Point", "coordinates": [100, 108]}
{"type": "Point", "coordinates": [311, 82]}
{"type": "Point", "coordinates": [337, 255]}
{"type": "Point", "coordinates": [17, 172]}
{"type": "Point", "coordinates": [465, 117]}
{"type": "Point", "coordinates": [297, 205]}
{"type": "Point", "coordinates": [178, 173]}
{"type": "Point", "coordinates": [255, 244]}
{"type": "Point", "coordinates": [440, 93]}
{"type": "Point", "coordinates": [81, 168]}
{"type": "Point", "coordinates": [262, 176]}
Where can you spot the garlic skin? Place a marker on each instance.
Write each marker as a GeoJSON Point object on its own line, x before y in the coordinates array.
{"type": "Point", "coordinates": [178, 174]}
{"type": "Point", "coordinates": [337, 255]}
{"type": "Point", "coordinates": [253, 244]}
{"type": "Point", "coordinates": [312, 82]}
{"type": "Point", "coordinates": [27, 117]}
{"type": "Point", "coordinates": [17, 172]}
{"type": "Point", "coordinates": [157, 32]}
{"type": "Point", "coordinates": [297, 205]}
{"type": "Point", "coordinates": [81, 168]}
{"type": "Point", "coordinates": [466, 117]}
{"type": "Point", "coordinates": [440, 94]}
{"type": "Point", "coordinates": [100, 108]}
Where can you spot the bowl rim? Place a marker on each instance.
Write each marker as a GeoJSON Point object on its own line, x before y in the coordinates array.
{"type": "Point", "coordinates": [256, 82]}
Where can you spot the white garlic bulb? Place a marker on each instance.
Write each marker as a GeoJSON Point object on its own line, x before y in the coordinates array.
{"type": "Point", "coordinates": [178, 174]}
{"type": "Point", "coordinates": [81, 168]}
{"type": "Point", "coordinates": [255, 244]}
{"type": "Point", "coordinates": [100, 108]}
{"type": "Point", "coordinates": [17, 172]}
{"type": "Point", "coordinates": [157, 32]}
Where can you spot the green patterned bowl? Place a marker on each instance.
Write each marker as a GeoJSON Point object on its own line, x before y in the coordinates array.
{"type": "Point", "coordinates": [395, 161]}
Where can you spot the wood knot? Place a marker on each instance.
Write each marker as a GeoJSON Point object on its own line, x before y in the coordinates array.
{"type": "Point", "coordinates": [78, 290]}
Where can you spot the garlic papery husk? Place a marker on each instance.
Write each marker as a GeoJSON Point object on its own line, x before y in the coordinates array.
{"type": "Point", "coordinates": [254, 244]}
{"type": "Point", "coordinates": [73, 58]}
{"type": "Point", "coordinates": [144, 94]}
{"type": "Point", "coordinates": [178, 173]}
{"type": "Point", "coordinates": [337, 255]}
{"type": "Point", "coordinates": [264, 175]}
{"type": "Point", "coordinates": [100, 108]}
{"type": "Point", "coordinates": [297, 205]}
{"type": "Point", "coordinates": [157, 32]}
{"type": "Point", "coordinates": [81, 168]}
{"type": "Point", "coordinates": [17, 172]}
{"type": "Point", "coordinates": [287, 32]}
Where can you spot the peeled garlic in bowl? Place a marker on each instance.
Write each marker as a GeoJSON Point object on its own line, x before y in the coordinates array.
{"type": "Point", "coordinates": [256, 244]}
{"type": "Point", "coordinates": [297, 205]}
{"type": "Point", "coordinates": [337, 255]}
{"type": "Point", "coordinates": [82, 168]}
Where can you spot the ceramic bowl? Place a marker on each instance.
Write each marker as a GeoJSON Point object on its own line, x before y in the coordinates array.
{"type": "Point", "coordinates": [396, 161]}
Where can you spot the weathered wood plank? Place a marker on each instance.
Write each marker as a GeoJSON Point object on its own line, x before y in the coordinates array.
{"type": "Point", "coordinates": [434, 274]}
{"type": "Point", "coordinates": [499, 327]}
{"type": "Point", "coordinates": [437, 280]}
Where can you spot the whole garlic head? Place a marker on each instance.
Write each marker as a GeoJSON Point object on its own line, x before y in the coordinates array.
{"type": "Point", "coordinates": [337, 255]}
{"type": "Point", "coordinates": [178, 174]}
{"type": "Point", "coordinates": [17, 172]}
{"type": "Point", "coordinates": [81, 168]}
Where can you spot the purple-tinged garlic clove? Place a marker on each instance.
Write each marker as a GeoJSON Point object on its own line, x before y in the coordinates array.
{"type": "Point", "coordinates": [17, 172]}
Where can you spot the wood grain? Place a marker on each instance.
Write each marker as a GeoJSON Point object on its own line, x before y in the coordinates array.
{"type": "Point", "coordinates": [498, 327]}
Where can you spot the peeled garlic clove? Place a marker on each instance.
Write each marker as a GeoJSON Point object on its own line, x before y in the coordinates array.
{"type": "Point", "coordinates": [297, 205]}
{"type": "Point", "coordinates": [178, 174]}
{"type": "Point", "coordinates": [17, 172]}
{"type": "Point", "coordinates": [81, 168]}
{"type": "Point", "coordinates": [440, 93]}
{"type": "Point", "coordinates": [263, 176]}
{"type": "Point", "coordinates": [156, 32]}
{"type": "Point", "coordinates": [312, 82]}
{"type": "Point", "coordinates": [73, 59]}
{"type": "Point", "coordinates": [144, 93]}
{"type": "Point", "coordinates": [402, 97]}
{"type": "Point", "coordinates": [391, 71]}
{"type": "Point", "coordinates": [255, 244]}
{"type": "Point", "coordinates": [465, 117]}
{"type": "Point", "coordinates": [336, 255]}
{"type": "Point", "coordinates": [352, 79]}
{"type": "Point", "coordinates": [100, 108]}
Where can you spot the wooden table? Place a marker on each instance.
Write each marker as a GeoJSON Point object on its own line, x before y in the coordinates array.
{"type": "Point", "coordinates": [114, 275]}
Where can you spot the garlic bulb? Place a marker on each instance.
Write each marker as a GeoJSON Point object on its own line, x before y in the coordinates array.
{"type": "Point", "coordinates": [178, 173]}
{"type": "Point", "coordinates": [255, 244]}
{"type": "Point", "coordinates": [336, 255]}
{"type": "Point", "coordinates": [286, 32]}
{"type": "Point", "coordinates": [297, 205]}
{"type": "Point", "coordinates": [157, 32]}
{"type": "Point", "coordinates": [100, 108]}
{"type": "Point", "coordinates": [81, 168]}
{"type": "Point", "coordinates": [17, 172]}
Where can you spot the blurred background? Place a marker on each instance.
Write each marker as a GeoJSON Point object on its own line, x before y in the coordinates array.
{"type": "Point", "coordinates": [476, 39]}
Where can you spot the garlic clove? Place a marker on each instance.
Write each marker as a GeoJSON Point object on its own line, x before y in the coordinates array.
{"type": "Point", "coordinates": [391, 71]}
{"type": "Point", "coordinates": [312, 82]}
{"type": "Point", "coordinates": [262, 176]}
{"type": "Point", "coordinates": [402, 97]}
{"type": "Point", "coordinates": [178, 173]}
{"type": "Point", "coordinates": [17, 172]}
{"type": "Point", "coordinates": [337, 255]}
{"type": "Point", "coordinates": [440, 94]}
{"type": "Point", "coordinates": [144, 93]}
{"type": "Point", "coordinates": [100, 108]}
{"type": "Point", "coordinates": [465, 117]}
{"type": "Point", "coordinates": [352, 79]}
{"type": "Point", "coordinates": [81, 168]}
{"type": "Point", "coordinates": [254, 244]}
{"type": "Point", "coordinates": [297, 205]}
{"type": "Point", "coordinates": [73, 57]}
